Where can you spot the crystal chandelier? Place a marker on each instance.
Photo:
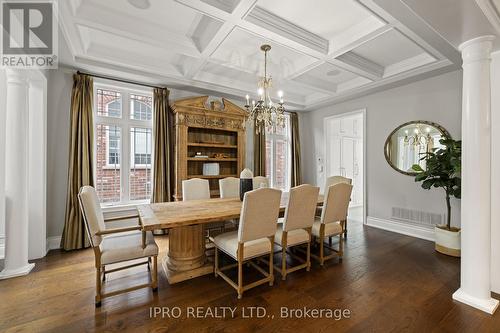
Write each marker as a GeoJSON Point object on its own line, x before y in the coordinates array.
{"type": "Point", "coordinates": [264, 112]}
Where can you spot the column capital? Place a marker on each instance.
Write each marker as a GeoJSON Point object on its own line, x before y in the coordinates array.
{"type": "Point", "coordinates": [477, 49]}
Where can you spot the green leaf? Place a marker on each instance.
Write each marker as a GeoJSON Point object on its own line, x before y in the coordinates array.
{"type": "Point", "coordinates": [427, 184]}
{"type": "Point", "coordinates": [417, 167]}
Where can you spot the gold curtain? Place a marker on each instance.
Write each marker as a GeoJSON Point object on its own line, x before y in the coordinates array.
{"type": "Point", "coordinates": [259, 151]}
{"type": "Point", "coordinates": [80, 168]}
{"type": "Point", "coordinates": [296, 172]}
{"type": "Point", "coordinates": [163, 147]}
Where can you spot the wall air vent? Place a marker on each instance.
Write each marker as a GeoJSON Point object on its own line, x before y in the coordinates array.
{"type": "Point", "coordinates": [417, 217]}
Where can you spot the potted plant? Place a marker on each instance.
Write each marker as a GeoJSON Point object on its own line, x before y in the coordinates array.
{"type": "Point", "coordinates": [442, 170]}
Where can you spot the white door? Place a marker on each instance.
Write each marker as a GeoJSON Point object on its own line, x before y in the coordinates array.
{"type": "Point", "coordinates": [344, 152]}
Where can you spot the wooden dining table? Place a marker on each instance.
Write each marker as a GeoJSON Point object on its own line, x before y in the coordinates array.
{"type": "Point", "coordinates": [186, 257]}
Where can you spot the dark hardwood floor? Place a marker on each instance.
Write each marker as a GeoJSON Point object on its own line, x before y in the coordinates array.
{"type": "Point", "coordinates": [388, 282]}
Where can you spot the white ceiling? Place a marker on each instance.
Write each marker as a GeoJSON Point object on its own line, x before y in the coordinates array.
{"type": "Point", "coordinates": [322, 50]}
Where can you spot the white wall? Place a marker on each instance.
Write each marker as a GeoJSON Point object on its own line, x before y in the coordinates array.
{"type": "Point", "coordinates": [59, 87]}
{"type": "Point", "coordinates": [437, 99]}
{"type": "Point", "coordinates": [3, 100]}
{"type": "Point", "coordinates": [495, 175]}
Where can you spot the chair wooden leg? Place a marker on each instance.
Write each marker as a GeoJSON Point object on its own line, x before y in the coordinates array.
{"type": "Point", "coordinates": [308, 257]}
{"type": "Point", "coordinates": [271, 267]}
{"type": "Point", "coordinates": [154, 284]}
{"type": "Point", "coordinates": [330, 241]}
{"type": "Point", "coordinates": [321, 251]}
{"type": "Point", "coordinates": [240, 279]}
{"type": "Point", "coordinates": [98, 286]}
{"type": "Point", "coordinates": [283, 263]}
{"type": "Point", "coordinates": [103, 273]}
{"type": "Point", "coordinates": [216, 261]}
{"type": "Point", "coordinates": [345, 228]}
{"type": "Point", "coordinates": [341, 247]}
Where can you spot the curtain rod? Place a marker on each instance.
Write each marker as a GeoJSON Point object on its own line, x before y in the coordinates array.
{"type": "Point", "coordinates": [119, 80]}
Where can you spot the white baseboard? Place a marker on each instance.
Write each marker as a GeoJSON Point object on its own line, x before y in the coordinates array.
{"type": "Point", "coordinates": [401, 228]}
{"type": "Point", "coordinates": [2, 246]}
{"type": "Point", "coordinates": [53, 243]}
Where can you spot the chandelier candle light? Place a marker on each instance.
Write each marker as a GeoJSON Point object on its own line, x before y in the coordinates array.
{"type": "Point", "coordinates": [418, 138]}
{"type": "Point", "coordinates": [264, 112]}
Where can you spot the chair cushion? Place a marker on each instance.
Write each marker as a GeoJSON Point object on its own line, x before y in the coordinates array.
{"type": "Point", "coordinates": [228, 243]}
{"type": "Point", "coordinates": [332, 228]}
{"type": "Point", "coordinates": [126, 246]}
{"type": "Point", "coordinates": [294, 237]}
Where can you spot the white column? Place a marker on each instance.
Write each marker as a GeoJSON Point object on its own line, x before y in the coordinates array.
{"type": "Point", "coordinates": [475, 286]}
{"type": "Point", "coordinates": [16, 176]}
{"type": "Point", "coordinates": [495, 176]}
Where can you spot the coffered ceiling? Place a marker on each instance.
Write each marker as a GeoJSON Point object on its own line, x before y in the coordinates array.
{"type": "Point", "coordinates": [322, 50]}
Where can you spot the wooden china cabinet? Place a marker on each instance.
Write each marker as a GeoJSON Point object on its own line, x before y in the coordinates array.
{"type": "Point", "coordinates": [215, 132]}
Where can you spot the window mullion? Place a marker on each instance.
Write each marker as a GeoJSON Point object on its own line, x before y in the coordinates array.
{"type": "Point", "coordinates": [125, 162]}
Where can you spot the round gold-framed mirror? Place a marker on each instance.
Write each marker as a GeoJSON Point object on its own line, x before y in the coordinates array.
{"type": "Point", "coordinates": [408, 143]}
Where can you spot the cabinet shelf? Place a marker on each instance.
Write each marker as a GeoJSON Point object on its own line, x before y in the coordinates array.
{"type": "Point", "coordinates": [211, 177]}
{"type": "Point", "coordinates": [212, 145]}
{"type": "Point", "coordinates": [212, 159]}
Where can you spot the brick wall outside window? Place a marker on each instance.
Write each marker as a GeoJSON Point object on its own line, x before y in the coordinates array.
{"type": "Point", "coordinates": [108, 184]}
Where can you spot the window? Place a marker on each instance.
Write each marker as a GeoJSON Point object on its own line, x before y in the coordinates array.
{"type": "Point", "coordinates": [123, 161]}
{"type": "Point", "coordinates": [278, 162]}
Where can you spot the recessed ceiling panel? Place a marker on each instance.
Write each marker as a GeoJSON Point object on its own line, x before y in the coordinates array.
{"type": "Point", "coordinates": [204, 30]}
{"type": "Point", "coordinates": [388, 49]}
{"type": "Point", "coordinates": [328, 73]}
{"type": "Point", "coordinates": [242, 49]}
{"type": "Point", "coordinates": [123, 50]}
{"type": "Point", "coordinates": [325, 18]}
{"type": "Point", "coordinates": [167, 13]}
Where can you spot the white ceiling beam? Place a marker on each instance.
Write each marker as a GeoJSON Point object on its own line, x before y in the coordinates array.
{"type": "Point", "coordinates": [436, 68]}
{"type": "Point", "coordinates": [160, 77]}
{"type": "Point", "coordinates": [274, 23]}
{"type": "Point", "coordinates": [206, 9]}
{"type": "Point", "coordinates": [357, 64]}
{"type": "Point", "coordinates": [305, 69]}
{"type": "Point", "coordinates": [349, 42]}
{"type": "Point", "coordinates": [243, 7]}
{"type": "Point", "coordinates": [401, 17]}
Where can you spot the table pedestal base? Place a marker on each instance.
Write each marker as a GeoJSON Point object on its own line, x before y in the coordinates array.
{"type": "Point", "coordinates": [186, 257]}
{"type": "Point", "coordinates": [179, 276]}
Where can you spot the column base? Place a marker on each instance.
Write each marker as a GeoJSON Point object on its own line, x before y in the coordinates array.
{"type": "Point", "coordinates": [7, 274]}
{"type": "Point", "coordinates": [486, 305]}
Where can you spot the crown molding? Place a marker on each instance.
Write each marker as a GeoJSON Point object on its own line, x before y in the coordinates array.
{"type": "Point", "coordinates": [491, 11]}
{"type": "Point", "coordinates": [276, 24]}
{"type": "Point", "coordinates": [360, 65]}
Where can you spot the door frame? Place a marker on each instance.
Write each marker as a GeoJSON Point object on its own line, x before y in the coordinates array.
{"type": "Point", "coordinates": [342, 115]}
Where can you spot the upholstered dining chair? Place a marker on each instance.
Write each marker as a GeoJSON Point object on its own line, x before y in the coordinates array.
{"type": "Point", "coordinates": [337, 180]}
{"type": "Point", "coordinates": [229, 187]}
{"type": "Point", "coordinates": [296, 225]}
{"type": "Point", "coordinates": [334, 212]}
{"type": "Point", "coordinates": [199, 189]}
{"type": "Point", "coordinates": [116, 245]}
{"type": "Point", "coordinates": [195, 189]}
{"type": "Point", "coordinates": [259, 182]}
{"type": "Point", "coordinates": [254, 238]}
{"type": "Point", "coordinates": [332, 181]}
